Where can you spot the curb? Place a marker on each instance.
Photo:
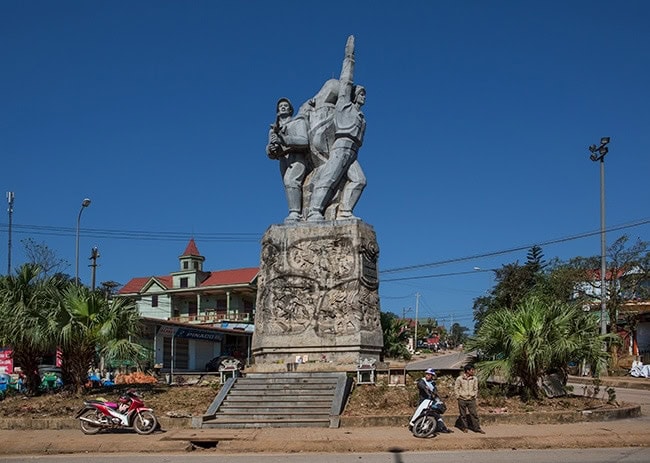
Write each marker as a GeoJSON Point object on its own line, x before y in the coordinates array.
{"type": "Point", "coordinates": [505, 418]}
{"type": "Point", "coordinates": [364, 421]}
{"type": "Point", "coordinates": [627, 383]}
{"type": "Point", "coordinates": [72, 423]}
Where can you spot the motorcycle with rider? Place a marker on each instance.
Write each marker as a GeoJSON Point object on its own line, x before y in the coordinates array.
{"type": "Point", "coordinates": [427, 420]}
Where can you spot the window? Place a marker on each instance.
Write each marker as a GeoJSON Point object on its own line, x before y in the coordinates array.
{"type": "Point", "coordinates": [154, 300]}
{"type": "Point", "coordinates": [196, 265]}
{"type": "Point", "coordinates": [184, 282]}
{"type": "Point", "coordinates": [186, 265]}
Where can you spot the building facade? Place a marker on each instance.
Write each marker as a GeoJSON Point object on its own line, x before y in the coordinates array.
{"type": "Point", "coordinates": [192, 315]}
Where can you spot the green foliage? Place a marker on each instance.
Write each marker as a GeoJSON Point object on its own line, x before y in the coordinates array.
{"type": "Point", "coordinates": [40, 315]}
{"type": "Point", "coordinates": [458, 334]}
{"type": "Point", "coordinates": [396, 334]}
{"type": "Point", "coordinates": [24, 305]}
{"type": "Point", "coordinates": [536, 338]}
{"type": "Point", "coordinates": [628, 273]}
{"type": "Point", "coordinates": [87, 326]}
{"type": "Point", "coordinates": [514, 283]}
{"type": "Point", "coordinates": [535, 259]}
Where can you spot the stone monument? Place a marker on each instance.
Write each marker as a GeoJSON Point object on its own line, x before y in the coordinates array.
{"type": "Point", "coordinates": [318, 284]}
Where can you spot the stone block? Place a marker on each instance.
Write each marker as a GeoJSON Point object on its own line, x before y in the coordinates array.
{"type": "Point", "coordinates": [318, 294]}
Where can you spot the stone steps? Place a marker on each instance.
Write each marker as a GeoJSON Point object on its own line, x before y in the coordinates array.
{"type": "Point", "coordinates": [278, 400]}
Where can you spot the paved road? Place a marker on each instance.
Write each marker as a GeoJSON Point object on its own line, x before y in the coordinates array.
{"type": "Point", "coordinates": [607, 455]}
{"type": "Point", "coordinates": [448, 361]}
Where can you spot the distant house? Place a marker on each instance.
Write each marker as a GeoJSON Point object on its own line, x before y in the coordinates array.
{"type": "Point", "coordinates": [633, 315]}
{"type": "Point", "coordinates": [634, 323]}
{"type": "Point", "coordinates": [193, 315]}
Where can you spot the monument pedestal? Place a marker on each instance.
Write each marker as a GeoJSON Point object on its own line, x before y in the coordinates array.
{"type": "Point", "coordinates": [318, 299]}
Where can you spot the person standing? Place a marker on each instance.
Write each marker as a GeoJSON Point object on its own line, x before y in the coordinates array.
{"type": "Point", "coordinates": [466, 390]}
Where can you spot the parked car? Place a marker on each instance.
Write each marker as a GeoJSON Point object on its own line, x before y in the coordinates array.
{"type": "Point", "coordinates": [215, 363]}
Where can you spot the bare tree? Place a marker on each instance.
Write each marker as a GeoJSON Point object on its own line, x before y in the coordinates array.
{"type": "Point", "coordinates": [42, 255]}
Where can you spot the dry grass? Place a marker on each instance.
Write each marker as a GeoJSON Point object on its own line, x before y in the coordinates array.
{"type": "Point", "coordinates": [365, 400]}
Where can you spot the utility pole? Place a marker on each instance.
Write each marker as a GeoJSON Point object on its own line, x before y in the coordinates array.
{"type": "Point", "coordinates": [598, 155]}
{"type": "Point", "coordinates": [94, 254]}
{"type": "Point", "coordinates": [10, 200]}
{"type": "Point", "coordinates": [84, 204]}
{"type": "Point", "coordinates": [417, 304]}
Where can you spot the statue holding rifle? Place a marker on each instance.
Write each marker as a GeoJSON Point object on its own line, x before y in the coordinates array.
{"type": "Point", "coordinates": [342, 165]}
{"type": "Point", "coordinates": [318, 148]}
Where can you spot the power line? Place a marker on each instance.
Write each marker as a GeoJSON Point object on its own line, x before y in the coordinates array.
{"type": "Point", "coordinates": [467, 272]}
{"type": "Point", "coordinates": [134, 234]}
{"type": "Point", "coordinates": [256, 237]}
{"type": "Point", "coordinates": [508, 251]}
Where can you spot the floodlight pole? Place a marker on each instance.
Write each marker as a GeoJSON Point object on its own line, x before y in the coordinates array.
{"type": "Point", "coordinates": [598, 155]}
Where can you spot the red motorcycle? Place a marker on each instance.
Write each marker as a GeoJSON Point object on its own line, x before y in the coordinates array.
{"type": "Point", "coordinates": [128, 413]}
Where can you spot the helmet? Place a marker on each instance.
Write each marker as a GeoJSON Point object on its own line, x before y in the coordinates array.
{"type": "Point", "coordinates": [430, 371]}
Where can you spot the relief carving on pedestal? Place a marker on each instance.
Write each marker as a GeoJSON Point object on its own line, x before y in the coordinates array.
{"type": "Point", "coordinates": [289, 308]}
{"type": "Point", "coordinates": [327, 260]}
{"type": "Point", "coordinates": [317, 284]}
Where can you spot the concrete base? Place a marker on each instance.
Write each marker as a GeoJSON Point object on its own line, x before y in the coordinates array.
{"type": "Point", "coordinates": [318, 297]}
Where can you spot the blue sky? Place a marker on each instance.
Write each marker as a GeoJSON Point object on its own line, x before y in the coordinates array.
{"type": "Point", "coordinates": [479, 118]}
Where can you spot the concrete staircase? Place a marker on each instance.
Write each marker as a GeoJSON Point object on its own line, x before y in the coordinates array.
{"type": "Point", "coordinates": [260, 400]}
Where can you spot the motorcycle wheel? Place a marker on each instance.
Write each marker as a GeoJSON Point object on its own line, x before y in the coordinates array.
{"type": "Point", "coordinates": [145, 423]}
{"type": "Point", "coordinates": [424, 426]}
{"type": "Point", "coordinates": [89, 428]}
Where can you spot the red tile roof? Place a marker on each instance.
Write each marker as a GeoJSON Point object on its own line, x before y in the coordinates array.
{"type": "Point", "coordinates": [216, 278]}
{"type": "Point", "coordinates": [231, 277]}
{"type": "Point", "coordinates": [134, 286]}
{"type": "Point", "coordinates": [167, 281]}
{"type": "Point", "coordinates": [191, 249]}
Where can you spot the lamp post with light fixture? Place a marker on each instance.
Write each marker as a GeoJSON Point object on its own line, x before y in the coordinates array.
{"type": "Point", "coordinates": [84, 204]}
{"type": "Point", "coordinates": [598, 155]}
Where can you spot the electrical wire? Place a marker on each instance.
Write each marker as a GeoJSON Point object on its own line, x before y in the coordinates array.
{"type": "Point", "coordinates": [507, 251]}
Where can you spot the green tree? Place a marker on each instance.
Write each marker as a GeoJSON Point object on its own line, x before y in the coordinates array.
{"type": "Point", "coordinates": [458, 334]}
{"type": "Point", "coordinates": [627, 276]}
{"type": "Point", "coordinates": [535, 259]}
{"type": "Point", "coordinates": [87, 326]}
{"type": "Point", "coordinates": [514, 283]}
{"type": "Point", "coordinates": [396, 335]}
{"type": "Point", "coordinates": [24, 309]}
{"type": "Point", "coordinates": [536, 338]}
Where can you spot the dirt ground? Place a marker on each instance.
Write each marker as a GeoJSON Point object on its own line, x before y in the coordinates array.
{"type": "Point", "coordinates": [365, 400]}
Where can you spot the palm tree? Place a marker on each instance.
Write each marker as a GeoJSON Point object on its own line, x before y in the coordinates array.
{"type": "Point", "coordinates": [537, 338]}
{"type": "Point", "coordinates": [396, 334]}
{"type": "Point", "coordinates": [87, 326]}
{"type": "Point", "coordinates": [24, 309]}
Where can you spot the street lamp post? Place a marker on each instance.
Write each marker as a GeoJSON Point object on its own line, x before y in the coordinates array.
{"type": "Point", "coordinates": [598, 155]}
{"type": "Point", "coordinates": [84, 204]}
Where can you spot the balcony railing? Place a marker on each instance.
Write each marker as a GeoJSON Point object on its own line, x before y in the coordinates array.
{"type": "Point", "coordinates": [215, 317]}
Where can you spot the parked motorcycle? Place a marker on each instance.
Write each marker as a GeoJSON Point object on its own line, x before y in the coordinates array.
{"type": "Point", "coordinates": [128, 413]}
{"type": "Point", "coordinates": [427, 419]}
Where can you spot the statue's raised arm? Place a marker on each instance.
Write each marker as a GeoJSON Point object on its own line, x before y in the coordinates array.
{"type": "Point", "coordinates": [342, 173]}
{"type": "Point", "coordinates": [347, 73]}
